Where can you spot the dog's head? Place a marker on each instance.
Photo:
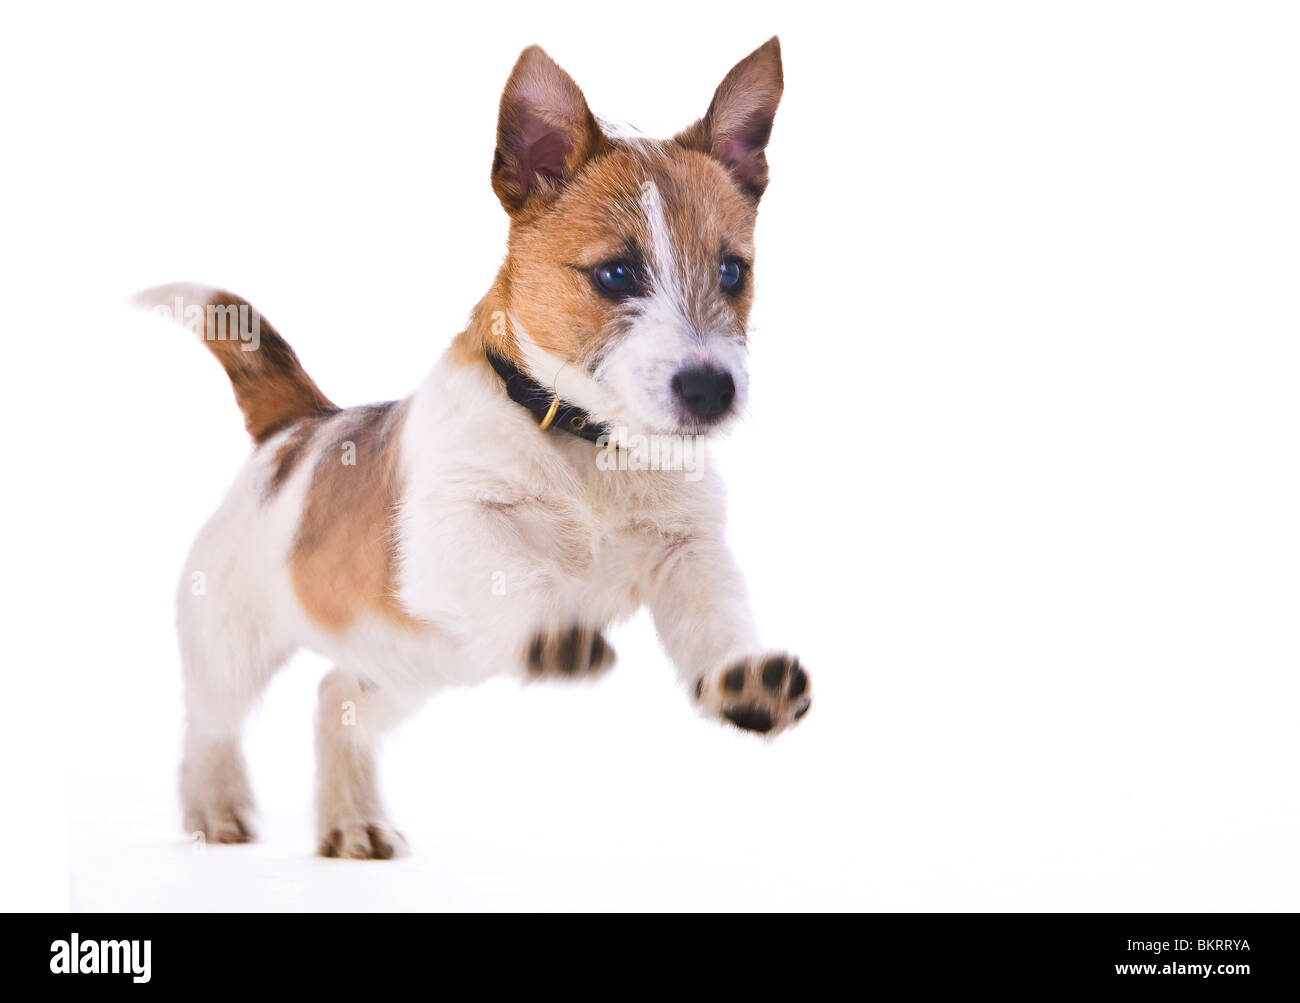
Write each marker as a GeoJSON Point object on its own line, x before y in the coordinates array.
{"type": "Point", "coordinates": [629, 276]}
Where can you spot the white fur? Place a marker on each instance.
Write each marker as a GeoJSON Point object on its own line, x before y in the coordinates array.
{"type": "Point", "coordinates": [503, 531]}
{"type": "Point", "coordinates": [664, 335]}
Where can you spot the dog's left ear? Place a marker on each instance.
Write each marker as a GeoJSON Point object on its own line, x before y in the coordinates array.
{"type": "Point", "coordinates": [738, 123]}
{"type": "Point", "coordinates": [544, 134]}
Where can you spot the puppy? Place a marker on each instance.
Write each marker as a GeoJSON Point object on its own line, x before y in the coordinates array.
{"type": "Point", "coordinates": [525, 496]}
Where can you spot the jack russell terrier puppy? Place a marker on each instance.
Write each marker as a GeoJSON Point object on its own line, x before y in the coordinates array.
{"type": "Point", "coordinates": [503, 515]}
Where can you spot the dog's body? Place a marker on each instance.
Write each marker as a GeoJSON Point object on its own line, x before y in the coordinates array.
{"type": "Point", "coordinates": [452, 536]}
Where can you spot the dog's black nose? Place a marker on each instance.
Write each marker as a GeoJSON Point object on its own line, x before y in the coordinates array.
{"type": "Point", "coordinates": [706, 393]}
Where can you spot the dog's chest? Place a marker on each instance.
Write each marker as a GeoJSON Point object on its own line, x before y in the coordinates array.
{"type": "Point", "coordinates": [602, 533]}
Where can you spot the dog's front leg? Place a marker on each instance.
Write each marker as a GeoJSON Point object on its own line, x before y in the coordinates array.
{"type": "Point", "coordinates": [702, 614]}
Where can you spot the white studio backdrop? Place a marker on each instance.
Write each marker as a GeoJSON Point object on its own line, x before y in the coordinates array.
{"type": "Point", "coordinates": [1019, 483]}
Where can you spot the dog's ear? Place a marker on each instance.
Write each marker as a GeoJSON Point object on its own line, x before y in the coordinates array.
{"type": "Point", "coordinates": [736, 127]}
{"type": "Point", "coordinates": [545, 132]}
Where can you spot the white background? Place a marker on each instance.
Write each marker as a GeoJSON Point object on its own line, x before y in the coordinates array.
{"type": "Point", "coordinates": [1019, 484]}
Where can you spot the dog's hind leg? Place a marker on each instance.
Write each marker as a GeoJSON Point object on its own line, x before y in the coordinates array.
{"type": "Point", "coordinates": [230, 648]}
{"type": "Point", "coordinates": [353, 712]}
{"type": "Point", "coordinates": [221, 685]}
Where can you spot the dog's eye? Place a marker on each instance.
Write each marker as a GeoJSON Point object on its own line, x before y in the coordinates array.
{"type": "Point", "coordinates": [731, 274]}
{"type": "Point", "coordinates": [615, 278]}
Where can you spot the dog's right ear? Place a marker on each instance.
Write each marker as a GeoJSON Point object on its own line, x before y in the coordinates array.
{"type": "Point", "coordinates": [544, 134]}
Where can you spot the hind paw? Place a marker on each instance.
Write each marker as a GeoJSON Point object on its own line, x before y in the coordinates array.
{"type": "Point", "coordinates": [220, 825]}
{"type": "Point", "coordinates": [359, 840]}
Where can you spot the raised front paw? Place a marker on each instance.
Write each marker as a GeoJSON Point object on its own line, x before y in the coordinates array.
{"type": "Point", "coordinates": [763, 693]}
{"type": "Point", "coordinates": [578, 651]}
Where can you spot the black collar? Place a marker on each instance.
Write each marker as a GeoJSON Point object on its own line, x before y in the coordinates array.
{"type": "Point", "coordinates": [546, 405]}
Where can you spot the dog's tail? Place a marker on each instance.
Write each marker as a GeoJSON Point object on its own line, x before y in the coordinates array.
{"type": "Point", "coordinates": [271, 387]}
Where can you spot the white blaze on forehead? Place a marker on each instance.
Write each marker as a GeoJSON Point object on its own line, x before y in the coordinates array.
{"type": "Point", "coordinates": [665, 265]}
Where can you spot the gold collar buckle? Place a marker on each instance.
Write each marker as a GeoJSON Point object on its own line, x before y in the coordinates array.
{"type": "Point", "coordinates": [550, 413]}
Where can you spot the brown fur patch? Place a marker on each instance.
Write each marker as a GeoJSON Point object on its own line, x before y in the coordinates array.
{"type": "Point", "coordinates": [291, 452]}
{"type": "Point", "coordinates": [271, 387]}
{"type": "Point", "coordinates": [545, 280]}
{"type": "Point", "coordinates": [344, 559]}
{"type": "Point", "coordinates": [574, 197]}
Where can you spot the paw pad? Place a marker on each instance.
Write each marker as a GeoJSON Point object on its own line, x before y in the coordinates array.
{"type": "Point", "coordinates": [751, 717]}
{"type": "Point", "coordinates": [764, 694]}
{"type": "Point", "coordinates": [577, 651]}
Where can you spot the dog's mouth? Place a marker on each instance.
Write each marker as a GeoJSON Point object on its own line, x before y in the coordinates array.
{"type": "Point", "coordinates": [659, 397]}
{"type": "Point", "coordinates": [710, 427]}
{"type": "Point", "coordinates": [668, 418]}
{"type": "Point", "coordinates": [670, 433]}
